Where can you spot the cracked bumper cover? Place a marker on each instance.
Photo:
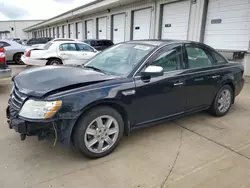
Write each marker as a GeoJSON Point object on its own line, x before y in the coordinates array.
{"type": "Point", "coordinates": [31, 127]}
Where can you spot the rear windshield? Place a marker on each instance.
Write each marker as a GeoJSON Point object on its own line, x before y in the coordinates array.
{"type": "Point", "coordinates": [47, 45]}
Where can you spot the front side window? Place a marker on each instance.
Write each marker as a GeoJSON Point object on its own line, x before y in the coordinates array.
{"type": "Point", "coordinates": [84, 47]}
{"type": "Point", "coordinates": [169, 60]}
{"type": "Point", "coordinates": [120, 59]}
{"type": "Point", "coordinates": [197, 57]}
{"type": "Point", "coordinates": [67, 47]}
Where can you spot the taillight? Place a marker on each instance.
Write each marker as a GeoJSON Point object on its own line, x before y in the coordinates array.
{"type": "Point", "coordinates": [28, 53]}
{"type": "Point", "coordinates": [2, 56]}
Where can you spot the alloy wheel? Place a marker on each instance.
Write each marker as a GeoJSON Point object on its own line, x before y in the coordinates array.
{"type": "Point", "coordinates": [224, 101]}
{"type": "Point", "coordinates": [101, 134]}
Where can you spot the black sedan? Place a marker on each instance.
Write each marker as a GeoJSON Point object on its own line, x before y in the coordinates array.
{"type": "Point", "coordinates": [126, 87]}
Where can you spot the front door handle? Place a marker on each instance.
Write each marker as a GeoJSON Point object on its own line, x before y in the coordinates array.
{"type": "Point", "coordinates": [215, 76]}
{"type": "Point", "coordinates": [63, 54]}
{"type": "Point", "coordinates": [178, 84]}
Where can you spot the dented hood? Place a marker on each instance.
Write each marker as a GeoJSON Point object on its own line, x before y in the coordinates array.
{"type": "Point", "coordinates": [39, 81]}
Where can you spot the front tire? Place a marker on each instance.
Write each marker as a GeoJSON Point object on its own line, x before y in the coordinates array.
{"type": "Point", "coordinates": [222, 101]}
{"type": "Point", "coordinates": [98, 132]}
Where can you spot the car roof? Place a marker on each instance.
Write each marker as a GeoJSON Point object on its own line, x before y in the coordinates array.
{"type": "Point", "coordinates": [65, 39]}
{"type": "Point", "coordinates": [158, 42]}
{"type": "Point", "coordinates": [97, 40]}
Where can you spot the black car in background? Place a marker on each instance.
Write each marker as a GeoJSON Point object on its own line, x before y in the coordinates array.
{"type": "Point", "coordinates": [99, 44]}
{"type": "Point", "coordinates": [126, 87]}
{"type": "Point", "coordinates": [36, 41]}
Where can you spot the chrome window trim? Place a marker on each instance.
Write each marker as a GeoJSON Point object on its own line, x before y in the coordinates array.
{"type": "Point", "coordinates": [193, 72]}
{"type": "Point", "coordinates": [217, 65]}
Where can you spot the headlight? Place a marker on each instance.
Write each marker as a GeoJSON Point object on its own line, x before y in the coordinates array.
{"type": "Point", "coordinates": [40, 109]}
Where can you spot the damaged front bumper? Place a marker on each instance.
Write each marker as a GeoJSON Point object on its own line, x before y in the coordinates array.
{"type": "Point", "coordinates": [42, 128]}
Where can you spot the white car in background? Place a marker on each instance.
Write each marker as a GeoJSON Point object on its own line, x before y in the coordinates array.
{"type": "Point", "coordinates": [60, 52]}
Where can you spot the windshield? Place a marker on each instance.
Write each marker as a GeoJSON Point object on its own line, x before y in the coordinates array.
{"type": "Point", "coordinates": [120, 59]}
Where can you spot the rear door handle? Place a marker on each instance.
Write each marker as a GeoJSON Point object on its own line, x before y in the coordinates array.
{"type": "Point", "coordinates": [215, 76]}
{"type": "Point", "coordinates": [178, 84]}
{"type": "Point", "coordinates": [198, 79]}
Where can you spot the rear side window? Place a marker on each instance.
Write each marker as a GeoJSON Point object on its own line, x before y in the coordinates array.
{"type": "Point", "coordinates": [44, 40]}
{"type": "Point", "coordinates": [98, 43]}
{"type": "Point", "coordinates": [108, 43]}
{"type": "Point", "coordinates": [32, 41]}
{"type": "Point", "coordinates": [197, 57]}
{"type": "Point", "coordinates": [218, 59]}
{"type": "Point", "coordinates": [84, 47]}
{"type": "Point", "coordinates": [67, 47]}
{"type": "Point", "coordinates": [4, 44]}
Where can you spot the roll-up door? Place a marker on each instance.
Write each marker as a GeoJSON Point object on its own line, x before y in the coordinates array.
{"type": "Point", "coordinates": [79, 33]}
{"type": "Point", "coordinates": [175, 17]}
{"type": "Point", "coordinates": [119, 24]}
{"type": "Point", "coordinates": [72, 32]}
{"type": "Point", "coordinates": [102, 28]}
{"type": "Point", "coordinates": [89, 29]}
{"type": "Point", "coordinates": [142, 23]}
{"type": "Point", "coordinates": [228, 24]}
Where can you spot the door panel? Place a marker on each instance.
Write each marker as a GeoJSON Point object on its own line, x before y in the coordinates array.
{"type": "Point", "coordinates": [159, 98]}
{"type": "Point", "coordinates": [69, 54]}
{"type": "Point", "coordinates": [202, 77]}
{"type": "Point", "coordinates": [200, 87]}
{"type": "Point", "coordinates": [164, 96]}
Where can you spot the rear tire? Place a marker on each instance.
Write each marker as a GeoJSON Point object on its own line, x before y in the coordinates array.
{"type": "Point", "coordinates": [17, 58]}
{"type": "Point", "coordinates": [98, 132]}
{"type": "Point", "coordinates": [54, 62]}
{"type": "Point", "coordinates": [222, 101]}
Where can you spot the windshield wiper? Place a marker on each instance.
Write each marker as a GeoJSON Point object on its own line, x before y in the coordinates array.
{"type": "Point", "coordinates": [94, 68]}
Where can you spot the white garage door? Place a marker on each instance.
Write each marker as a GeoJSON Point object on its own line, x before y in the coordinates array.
{"type": "Point", "coordinates": [228, 24]}
{"type": "Point", "coordinates": [175, 18]}
{"type": "Point", "coordinates": [142, 23]}
{"type": "Point", "coordinates": [89, 29]}
{"type": "Point", "coordinates": [72, 32]}
{"type": "Point", "coordinates": [60, 32]}
{"type": "Point", "coordinates": [65, 31]}
{"type": "Point", "coordinates": [102, 28]}
{"type": "Point", "coordinates": [119, 23]}
{"type": "Point", "coordinates": [54, 32]}
{"type": "Point", "coordinates": [79, 30]}
{"type": "Point", "coordinates": [50, 32]}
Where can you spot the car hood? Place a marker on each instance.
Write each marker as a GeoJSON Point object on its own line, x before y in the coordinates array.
{"type": "Point", "coordinates": [39, 81]}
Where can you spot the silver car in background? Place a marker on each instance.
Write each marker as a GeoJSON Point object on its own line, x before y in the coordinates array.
{"type": "Point", "coordinates": [13, 50]}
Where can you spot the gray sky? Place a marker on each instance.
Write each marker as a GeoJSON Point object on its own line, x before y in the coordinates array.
{"type": "Point", "coordinates": [36, 9]}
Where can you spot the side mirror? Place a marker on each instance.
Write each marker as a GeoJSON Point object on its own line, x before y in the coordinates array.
{"type": "Point", "coordinates": [153, 71]}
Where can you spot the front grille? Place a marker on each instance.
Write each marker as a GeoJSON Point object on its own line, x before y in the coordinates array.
{"type": "Point", "coordinates": [16, 101]}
